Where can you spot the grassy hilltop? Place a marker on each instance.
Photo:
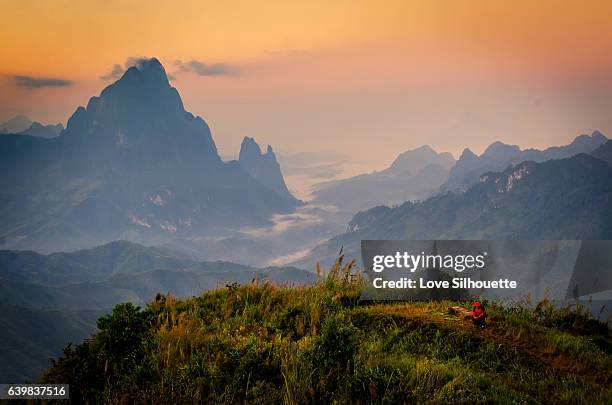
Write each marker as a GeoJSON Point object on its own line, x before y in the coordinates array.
{"type": "Point", "coordinates": [263, 343]}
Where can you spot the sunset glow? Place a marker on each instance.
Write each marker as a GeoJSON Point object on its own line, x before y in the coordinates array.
{"type": "Point", "coordinates": [404, 74]}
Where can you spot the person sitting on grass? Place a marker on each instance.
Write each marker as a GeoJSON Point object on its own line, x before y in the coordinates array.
{"type": "Point", "coordinates": [479, 315]}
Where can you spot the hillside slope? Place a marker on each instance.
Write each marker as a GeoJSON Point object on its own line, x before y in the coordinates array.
{"type": "Point", "coordinates": [263, 344]}
{"type": "Point", "coordinates": [46, 301]}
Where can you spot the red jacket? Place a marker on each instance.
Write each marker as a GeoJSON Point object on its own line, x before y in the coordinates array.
{"type": "Point", "coordinates": [479, 312]}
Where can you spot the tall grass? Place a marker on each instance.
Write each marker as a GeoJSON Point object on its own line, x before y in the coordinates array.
{"type": "Point", "coordinates": [265, 343]}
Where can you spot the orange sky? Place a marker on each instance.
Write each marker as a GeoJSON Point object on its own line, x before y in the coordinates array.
{"type": "Point", "coordinates": [370, 78]}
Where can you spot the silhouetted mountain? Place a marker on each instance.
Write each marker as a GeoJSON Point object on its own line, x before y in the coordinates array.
{"type": "Point", "coordinates": [43, 131]}
{"type": "Point", "coordinates": [604, 152]}
{"type": "Point", "coordinates": [15, 125]}
{"type": "Point", "coordinates": [413, 175]}
{"type": "Point", "coordinates": [557, 199]}
{"type": "Point", "coordinates": [499, 156]}
{"type": "Point", "coordinates": [413, 161]}
{"type": "Point", "coordinates": [263, 167]}
{"type": "Point", "coordinates": [131, 165]}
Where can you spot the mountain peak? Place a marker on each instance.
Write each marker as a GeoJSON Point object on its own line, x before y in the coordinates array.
{"type": "Point", "coordinates": [150, 69]}
{"type": "Point", "coordinates": [142, 110]}
{"type": "Point", "coordinates": [145, 168]}
{"type": "Point", "coordinates": [249, 149]}
{"type": "Point", "coordinates": [596, 138]}
{"type": "Point", "coordinates": [467, 154]}
{"type": "Point", "coordinates": [414, 160]}
{"type": "Point", "coordinates": [263, 167]}
{"type": "Point", "coordinates": [500, 147]}
{"type": "Point", "coordinates": [425, 148]}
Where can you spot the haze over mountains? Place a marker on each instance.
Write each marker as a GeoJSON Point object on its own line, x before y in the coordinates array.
{"type": "Point", "coordinates": [413, 175]}
{"type": "Point", "coordinates": [133, 164]}
{"type": "Point", "coordinates": [557, 199]}
{"type": "Point", "coordinates": [101, 277]}
{"type": "Point", "coordinates": [43, 131]}
{"type": "Point", "coordinates": [15, 125]}
{"type": "Point", "coordinates": [24, 126]}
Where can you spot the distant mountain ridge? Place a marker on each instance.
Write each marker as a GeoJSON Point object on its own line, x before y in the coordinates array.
{"type": "Point", "coordinates": [23, 125]}
{"type": "Point", "coordinates": [87, 265]}
{"type": "Point", "coordinates": [133, 164]}
{"type": "Point", "coordinates": [103, 276]}
{"type": "Point", "coordinates": [15, 125]}
{"type": "Point", "coordinates": [557, 199]}
{"type": "Point", "coordinates": [413, 175]}
{"type": "Point", "coordinates": [498, 156]}
{"type": "Point", "coordinates": [43, 131]}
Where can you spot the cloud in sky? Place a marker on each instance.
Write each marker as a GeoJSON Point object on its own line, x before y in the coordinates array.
{"type": "Point", "coordinates": [115, 73]}
{"type": "Point", "coordinates": [204, 69]}
{"type": "Point", "coordinates": [136, 61]}
{"type": "Point", "coordinates": [118, 70]}
{"type": "Point", "coordinates": [40, 82]}
{"type": "Point", "coordinates": [193, 66]}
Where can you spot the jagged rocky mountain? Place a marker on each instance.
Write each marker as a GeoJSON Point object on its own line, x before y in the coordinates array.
{"type": "Point", "coordinates": [498, 156]}
{"type": "Point", "coordinates": [557, 199]}
{"type": "Point", "coordinates": [132, 164]}
{"type": "Point", "coordinates": [263, 167]}
{"type": "Point", "coordinates": [413, 175]}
